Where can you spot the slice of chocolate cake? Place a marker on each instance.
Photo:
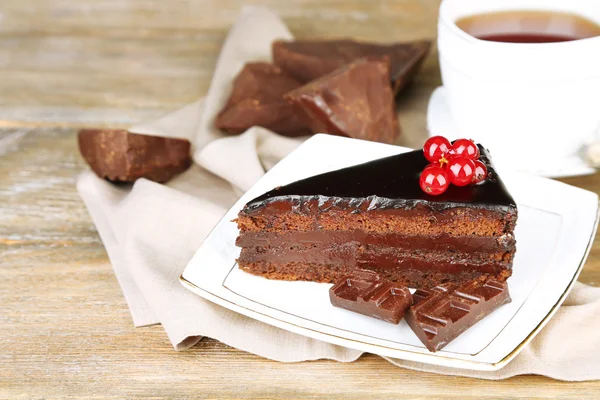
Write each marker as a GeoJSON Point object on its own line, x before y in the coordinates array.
{"type": "Point", "coordinates": [375, 216]}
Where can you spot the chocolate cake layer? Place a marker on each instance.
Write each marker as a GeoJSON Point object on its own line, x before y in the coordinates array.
{"type": "Point", "coordinates": [358, 256]}
{"type": "Point", "coordinates": [282, 216]}
{"type": "Point", "coordinates": [330, 273]}
{"type": "Point", "coordinates": [441, 242]}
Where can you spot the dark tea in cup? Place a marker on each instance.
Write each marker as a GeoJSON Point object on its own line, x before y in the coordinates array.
{"type": "Point", "coordinates": [529, 27]}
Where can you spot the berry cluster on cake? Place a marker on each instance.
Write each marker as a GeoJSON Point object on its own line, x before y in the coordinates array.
{"type": "Point", "coordinates": [420, 219]}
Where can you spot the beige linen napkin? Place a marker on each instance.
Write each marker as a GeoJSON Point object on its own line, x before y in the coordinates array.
{"type": "Point", "coordinates": [151, 232]}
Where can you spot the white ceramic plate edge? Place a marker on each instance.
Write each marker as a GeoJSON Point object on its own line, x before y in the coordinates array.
{"type": "Point", "coordinates": [369, 347]}
{"type": "Point", "coordinates": [440, 122]}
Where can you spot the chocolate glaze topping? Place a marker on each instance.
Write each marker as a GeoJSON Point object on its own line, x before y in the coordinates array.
{"type": "Point", "coordinates": [388, 183]}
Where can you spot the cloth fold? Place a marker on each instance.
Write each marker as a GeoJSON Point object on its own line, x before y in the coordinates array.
{"type": "Point", "coordinates": [151, 231]}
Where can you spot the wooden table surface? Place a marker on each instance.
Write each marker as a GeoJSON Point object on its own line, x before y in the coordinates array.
{"type": "Point", "coordinates": [65, 329]}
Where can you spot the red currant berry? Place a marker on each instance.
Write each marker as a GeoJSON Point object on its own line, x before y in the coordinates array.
{"type": "Point", "coordinates": [467, 148]}
{"type": "Point", "coordinates": [480, 172]}
{"type": "Point", "coordinates": [461, 170]}
{"type": "Point", "coordinates": [435, 147]}
{"type": "Point", "coordinates": [434, 180]}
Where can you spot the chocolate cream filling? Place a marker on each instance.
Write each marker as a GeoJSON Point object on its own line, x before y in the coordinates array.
{"type": "Point", "coordinates": [442, 242]}
{"type": "Point", "coordinates": [353, 255]}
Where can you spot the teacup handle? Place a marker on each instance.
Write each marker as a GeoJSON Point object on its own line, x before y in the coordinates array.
{"type": "Point", "coordinates": [592, 150]}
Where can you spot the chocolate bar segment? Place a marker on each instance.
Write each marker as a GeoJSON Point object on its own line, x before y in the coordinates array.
{"type": "Point", "coordinates": [441, 314]}
{"type": "Point", "coordinates": [366, 293]}
{"type": "Point", "coordinates": [257, 100]}
{"type": "Point", "coordinates": [307, 60]}
{"type": "Point", "coordinates": [122, 156]}
{"type": "Point", "coordinates": [355, 100]}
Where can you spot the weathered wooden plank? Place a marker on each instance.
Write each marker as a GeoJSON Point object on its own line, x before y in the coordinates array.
{"type": "Point", "coordinates": [96, 59]}
{"type": "Point", "coordinates": [158, 18]}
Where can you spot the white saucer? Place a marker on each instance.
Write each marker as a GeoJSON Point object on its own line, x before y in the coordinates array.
{"type": "Point", "coordinates": [440, 122]}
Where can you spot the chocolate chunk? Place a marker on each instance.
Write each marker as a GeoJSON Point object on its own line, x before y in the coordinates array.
{"type": "Point", "coordinates": [355, 100]}
{"type": "Point", "coordinates": [365, 292]}
{"type": "Point", "coordinates": [441, 314]}
{"type": "Point", "coordinates": [307, 60]}
{"type": "Point", "coordinates": [122, 156]}
{"type": "Point", "coordinates": [257, 100]}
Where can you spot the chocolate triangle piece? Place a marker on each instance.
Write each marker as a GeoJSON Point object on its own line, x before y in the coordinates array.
{"type": "Point", "coordinates": [122, 156]}
{"type": "Point", "coordinates": [365, 292]}
{"type": "Point", "coordinates": [307, 60]}
{"type": "Point", "coordinates": [375, 216]}
{"type": "Point", "coordinates": [257, 100]}
{"type": "Point", "coordinates": [355, 100]}
{"type": "Point", "coordinates": [441, 314]}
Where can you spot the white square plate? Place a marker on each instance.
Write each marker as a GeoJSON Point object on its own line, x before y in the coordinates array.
{"type": "Point", "coordinates": [555, 229]}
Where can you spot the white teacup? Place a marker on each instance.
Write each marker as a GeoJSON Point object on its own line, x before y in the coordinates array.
{"type": "Point", "coordinates": [530, 104]}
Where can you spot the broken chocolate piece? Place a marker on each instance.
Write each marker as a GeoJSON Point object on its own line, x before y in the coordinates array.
{"type": "Point", "coordinates": [257, 100]}
{"type": "Point", "coordinates": [365, 292]}
{"type": "Point", "coordinates": [441, 314]}
{"type": "Point", "coordinates": [307, 60]}
{"type": "Point", "coordinates": [355, 100]}
{"type": "Point", "coordinates": [122, 156]}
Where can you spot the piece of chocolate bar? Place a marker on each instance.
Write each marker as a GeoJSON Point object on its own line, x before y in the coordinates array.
{"type": "Point", "coordinates": [355, 100]}
{"type": "Point", "coordinates": [122, 156]}
{"type": "Point", "coordinates": [257, 100]}
{"type": "Point", "coordinates": [365, 292]}
{"type": "Point", "coordinates": [307, 60]}
{"type": "Point", "coordinates": [441, 314]}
